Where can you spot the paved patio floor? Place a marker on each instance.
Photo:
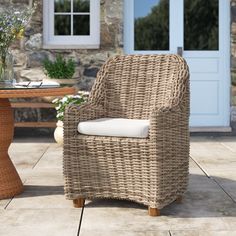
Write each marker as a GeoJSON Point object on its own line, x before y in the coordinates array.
{"type": "Point", "coordinates": [208, 209]}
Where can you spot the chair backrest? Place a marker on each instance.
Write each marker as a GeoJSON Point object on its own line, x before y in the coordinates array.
{"type": "Point", "coordinates": [132, 86]}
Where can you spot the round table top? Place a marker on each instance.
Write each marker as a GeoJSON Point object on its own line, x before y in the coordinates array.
{"type": "Point", "coordinates": [36, 92]}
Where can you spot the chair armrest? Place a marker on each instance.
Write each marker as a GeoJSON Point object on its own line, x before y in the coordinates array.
{"type": "Point", "coordinates": [167, 123]}
{"type": "Point", "coordinates": [77, 113]}
{"type": "Point", "coordinates": [169, 141]}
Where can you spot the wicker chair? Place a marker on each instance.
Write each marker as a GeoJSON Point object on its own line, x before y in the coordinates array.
{"type": "Point", "coordinates": [152, 171]}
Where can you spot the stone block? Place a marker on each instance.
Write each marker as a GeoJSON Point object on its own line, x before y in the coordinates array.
{"type": "Point", "coordinates": [20, 1]}
{"type": "Point", "coordinates": [113, 10]}
{"type": "Point", "coordinates": [233, 13]}
{"type": "Point", "coordinates": [19, 58]}
{"type": "Point", "coordinates": [106, 37]}
{"type": "Point", "coordinates": [35, 74]}
{"type": "Point", "coordinates": [35, 42]}
{"type": "Point", "coordinates": [35, 59]}
{"type": "Point", "coordinates": [233, 62]}
{"type": "Point", "coordinates": [233, 78]}
{"type": "Point", "coordinates": [29, 31]}
{"type": "Point", "coordinates": [96, 58]}
{"type": "Point", "coordinates": [86, 83]}
{"type": "Point", "coordinates": [91, 71]}
{"type": "Point", "coordinates": [233, 112]}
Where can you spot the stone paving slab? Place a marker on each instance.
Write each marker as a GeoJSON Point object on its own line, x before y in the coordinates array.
{"type": "Point", "coordinates": [43, 210]}
{"type": "Point", "coordinates": [230, 145]}
{"type": "Point", "coordinates": [125, 233]}
{"type": "Point", "coordinates": [52, 158]}
{"type": "Point", "coordinates": [3, 203]}
{"type": "Point", "coordinates": [212, 153]}
{"type": "Point", "coordinates": [26, 155]}
{"type": "Point", "coordinates": [131, 219]}
{"type": "Point", "coordinates": [41, 197]}
{"type": "Point", "coordinates": [203, 233]}
{"type": "Point", "coordinates": [40, 222]}
{"type": "Point", "coordinates": [230, 222]}
{"type": "Point", "coordinates": [218, 159]}
{"type": "Point", "coordinates": [204, 207]}
{"type": "Point", "coordinates": [46, 177]}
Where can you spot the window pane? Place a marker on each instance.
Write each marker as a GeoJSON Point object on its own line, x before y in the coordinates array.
{"type": "Point", "coordinates": [62, 5]}
{"type": "Point", "coordinates": [151, 29]}
{"type": "Point", "coordinates": [201, 25]}
{"type": "Point", "coordinates": [62, 25]}
{"type": "Point", "coordinates": [81, 5]}
{"type": "Point", "coordinates": [81, 25]}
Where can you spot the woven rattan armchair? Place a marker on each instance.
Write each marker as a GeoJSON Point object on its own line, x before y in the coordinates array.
{"type": "Point", "coordinates": [152, 171]}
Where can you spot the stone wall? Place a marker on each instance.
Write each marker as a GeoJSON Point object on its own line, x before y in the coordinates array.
{"type": "Point", "coordinates": [233, 63]}
{"type": "Point", "coordinates": [29, 53]}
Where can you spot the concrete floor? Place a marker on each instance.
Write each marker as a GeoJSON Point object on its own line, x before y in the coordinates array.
{"type": "Point", "coordinates": [208, 209]}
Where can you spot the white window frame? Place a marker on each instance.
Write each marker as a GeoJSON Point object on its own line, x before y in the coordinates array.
{"type": "Point", "coordinates": [51, 41]}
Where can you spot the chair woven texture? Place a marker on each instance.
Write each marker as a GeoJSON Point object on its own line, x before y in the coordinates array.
{"type": "Point", "coordinates": [152, 171]}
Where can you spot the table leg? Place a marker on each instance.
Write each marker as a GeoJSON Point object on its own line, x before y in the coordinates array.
{"type": "Point", "coordinates": [10, 182]}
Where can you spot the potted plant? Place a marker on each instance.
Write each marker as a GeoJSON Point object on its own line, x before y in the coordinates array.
{"type": "Point", "coordinates": [60, 70]}
{"type": "Point", "coordinates": [60, 106]}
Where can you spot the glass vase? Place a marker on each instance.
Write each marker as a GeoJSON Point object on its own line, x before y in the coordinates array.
{"type": "Point", "coordinates": [6, 70]}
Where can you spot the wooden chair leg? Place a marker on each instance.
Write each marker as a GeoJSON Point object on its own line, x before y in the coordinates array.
{"type": "Point", "coordinates": [78, 203]}
{"type": "Point", "coordinates": [179, 199]}
{"type": "Point", "coordinates": [153, 211]}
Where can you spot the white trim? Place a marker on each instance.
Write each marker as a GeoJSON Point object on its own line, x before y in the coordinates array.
{"type": "Point", "coordinates": [129, 30]}
{"type": "Point", "coordinates": [71, 46]}
{"type": "Point", "coordinates": [225, 27]}
{"type": "Point", "coordinates": [176, 20]}
{"type": "Point", "coordinates": [128, 26]}
{"type": "Point", "coordinates": [51, 41]}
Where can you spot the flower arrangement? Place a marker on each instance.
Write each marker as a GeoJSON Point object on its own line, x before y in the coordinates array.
{"type": "Point", "coordinates": [60, 68]}
{"type": "Point", "coordinates": [12, 26]}
{"type": "Point", "coordinates": [61, 104]}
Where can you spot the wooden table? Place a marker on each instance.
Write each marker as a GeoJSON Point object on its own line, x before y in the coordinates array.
{"type": "Point", "coordinates": [10, 182]}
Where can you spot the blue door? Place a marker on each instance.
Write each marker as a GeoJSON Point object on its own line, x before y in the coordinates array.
{"type": "Point", "coordinates": [199, 31]}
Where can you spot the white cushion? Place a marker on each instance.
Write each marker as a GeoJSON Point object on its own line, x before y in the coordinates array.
{"type": "Point", "coordinates": [115, 127]}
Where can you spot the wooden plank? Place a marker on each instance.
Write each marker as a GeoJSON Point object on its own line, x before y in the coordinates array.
{"type": "Point", "coordinates": [36, 124]}
{"type": "Point", "coordinates": [32, 105]}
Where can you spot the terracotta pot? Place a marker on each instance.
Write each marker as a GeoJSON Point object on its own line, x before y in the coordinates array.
{"type": "Point", "coordinates": [58, 133]}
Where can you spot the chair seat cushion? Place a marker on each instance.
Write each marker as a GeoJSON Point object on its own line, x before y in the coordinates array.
{"type": "Point", "coordinates": [116, 127]}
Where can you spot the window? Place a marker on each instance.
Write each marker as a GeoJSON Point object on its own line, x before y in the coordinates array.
{"type": "Point", "coordinates": [147, 26]}
{"type": "Point", "coordinates": [171, 26]}
{"type": "Point", "coordinates": [71, 24]}
{"type": "Point", "coordinates": [201, 25]}
{"type": "Point", "coordinates": [151, 25]}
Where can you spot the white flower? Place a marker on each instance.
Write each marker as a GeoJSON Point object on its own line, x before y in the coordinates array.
{"type": "Point", "coordinates": [55, 100]}
{"type": "Point", "coordinates": [64, 99]}
{"type": "Point", "coordinates": [84, 92]}
{"type": "Point", "coordinates": [59, 114]}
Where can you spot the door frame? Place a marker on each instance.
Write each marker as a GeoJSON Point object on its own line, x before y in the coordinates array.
{"type": "Point", "coordinates": [176, 19]}
{"type": "Point", "coordinates": [225, 11]}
